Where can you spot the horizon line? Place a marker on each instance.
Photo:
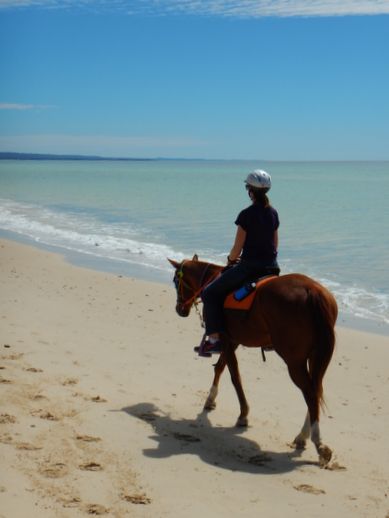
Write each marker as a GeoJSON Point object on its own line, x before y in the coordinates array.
{"type": "Point", "coordinates": [13, 155]}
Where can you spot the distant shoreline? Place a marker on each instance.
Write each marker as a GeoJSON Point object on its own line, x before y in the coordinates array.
{"type": "Point", "coordinates": [10, 155]}
{"type": "Point", "coordinates": [44, 156]}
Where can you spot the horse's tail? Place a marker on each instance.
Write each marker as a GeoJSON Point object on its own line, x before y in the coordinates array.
{"type": "Point", "coordinates": [324, 312]}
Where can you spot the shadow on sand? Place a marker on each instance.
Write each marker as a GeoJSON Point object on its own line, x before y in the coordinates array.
{"type": "Point", "coordinates": [223, 447]}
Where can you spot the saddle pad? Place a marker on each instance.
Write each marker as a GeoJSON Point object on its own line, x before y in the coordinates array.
{"type": "Point", "coordinates": [245, 304]}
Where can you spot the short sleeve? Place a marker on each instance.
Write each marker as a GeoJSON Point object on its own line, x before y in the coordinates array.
{"type": "Point", "coordinates": [242, 220]}
{"type": "Point", "coordinates": [276, 219]}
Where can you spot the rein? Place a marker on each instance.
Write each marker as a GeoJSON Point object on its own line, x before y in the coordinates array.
{"type": "Point", "coordinates": [182, 284]}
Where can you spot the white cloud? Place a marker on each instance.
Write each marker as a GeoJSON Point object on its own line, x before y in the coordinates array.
{"type": "Point", "coordinates": [21, 107]}
{"type": "Point", "coordinates": [26, 3]}
{"type": "Point", "coordinates": [13, 106]}
{"type": "Point", "coordinates": [225, 8]}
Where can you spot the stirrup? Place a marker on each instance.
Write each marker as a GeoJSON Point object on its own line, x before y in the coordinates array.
{"type": "Point", "coordinates": [199, 349]}
{"type": "Point", "coordinates": [213, 347]}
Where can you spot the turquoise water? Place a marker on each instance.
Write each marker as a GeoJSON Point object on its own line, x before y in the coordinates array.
{"type": "Point", "coordinates": [129, 216]}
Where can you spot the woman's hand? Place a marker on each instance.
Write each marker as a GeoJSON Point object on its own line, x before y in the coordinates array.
{"type": "Point", "coordinates": [231, 262]}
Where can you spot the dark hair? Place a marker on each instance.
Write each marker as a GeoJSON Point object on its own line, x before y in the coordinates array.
{"type": "Point", "coordinates": [260, 197]}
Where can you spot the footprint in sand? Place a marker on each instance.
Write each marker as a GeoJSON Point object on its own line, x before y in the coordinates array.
{"type": "Point", "coordinates": [56, 470]}
{"type": "Point", "coordinates": [334, 466]}
{"type": "Point", "coordinates": [260, 460]}
{"type": "Point", "coordinates": [137, 498]}
{"type": "Point", "coordinates": [87, 438]}
{"type": "Point", "coordinates": [27, 446]}
{"type": "Point", "coordinates": [94, 399]}
{"type": "Point", "coordinates": [70, 413]}
{"type": "Point", "coordinates": [306, 488]}
{"type": "Point", "coordinates": [186, 437]}
{"type": "Point", "coordinates": [33, 369]}
{"type": "Point", "coordinates": [96, 509]}
{"type": "Point", "coordinates": [70, 381]}
{"type": "Point", "coordinates": [43, 414]}
{"type": "Point", "coordinates": [37, 397]}
{"type": "Point", "coordinates": [6, 438]}
{"type": "Point", "coordinates": [91, 466]}
{"type": "Point", "coordinates": [13, 356]}
{"type": "Point", "coordinates": [4, 380]}
{"type": "Point", "coordinates": [70, 502]}
{"type": "Point", "coordinates": [7, 419]}
{"type": "Point", "coordinates": [98, 399]}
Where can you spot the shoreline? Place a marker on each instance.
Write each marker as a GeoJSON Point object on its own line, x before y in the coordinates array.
{"type": "Point", "coordinates": [137, 271]}
{"type": "Point", "coordinates": [102, 400]}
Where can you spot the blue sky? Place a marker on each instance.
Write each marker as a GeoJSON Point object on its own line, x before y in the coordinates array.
{"type": "Point", "coordinates": [275, 80]}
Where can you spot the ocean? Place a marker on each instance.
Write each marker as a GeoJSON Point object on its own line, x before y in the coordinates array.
{"type": "Point", "coordinates": [127, 217]}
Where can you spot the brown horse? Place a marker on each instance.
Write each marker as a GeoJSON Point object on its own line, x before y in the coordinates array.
{"type": "Point", "coordinates": [292, 314]}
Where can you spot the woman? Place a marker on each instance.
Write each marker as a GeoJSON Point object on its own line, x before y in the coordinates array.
{"type": "Point", "coordinates": [253, 254]}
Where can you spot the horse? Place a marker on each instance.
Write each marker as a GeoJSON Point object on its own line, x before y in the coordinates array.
{"type": "Point", "coordinates": [292, 314]}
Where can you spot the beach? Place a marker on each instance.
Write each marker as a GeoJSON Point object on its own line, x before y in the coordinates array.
{"type": "Point", "coordinates": [102, 409]}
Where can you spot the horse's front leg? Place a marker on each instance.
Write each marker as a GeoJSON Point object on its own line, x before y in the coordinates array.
{"type": "Point", "coordinates": [232, 364]}
{"type": "Point", "coordinates": [210, 403]}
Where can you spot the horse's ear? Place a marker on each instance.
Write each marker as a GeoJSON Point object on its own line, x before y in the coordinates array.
{"type": "Point", "coordinates": [173, 263]}
{"type": "Point", "coordinates": [195, 257]}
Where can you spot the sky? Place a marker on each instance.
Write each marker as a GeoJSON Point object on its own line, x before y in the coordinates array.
{"type": "Point", "coordinates": [219, 79]}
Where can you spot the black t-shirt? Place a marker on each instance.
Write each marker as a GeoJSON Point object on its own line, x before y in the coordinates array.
{"type": "Point", "coordinates": [260, 223]}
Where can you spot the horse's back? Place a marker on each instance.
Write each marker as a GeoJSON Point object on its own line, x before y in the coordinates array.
{"type": "Point", "coordinates": [293, 289]}
{"type": "Point", "coordinates": [284, 308]}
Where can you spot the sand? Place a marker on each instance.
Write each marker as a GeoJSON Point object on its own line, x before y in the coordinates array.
{"type": "Point", "coordinates": [101, 409]}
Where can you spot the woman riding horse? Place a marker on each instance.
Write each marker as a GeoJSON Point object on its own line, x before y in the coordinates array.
{"type": "Point", "coordinates": [253, 254]}
{"type": "Point", "coordinates": [293, 313]}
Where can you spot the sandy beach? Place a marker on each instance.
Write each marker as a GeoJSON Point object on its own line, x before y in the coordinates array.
{"type": "Point", "coordinates": [101, 409]}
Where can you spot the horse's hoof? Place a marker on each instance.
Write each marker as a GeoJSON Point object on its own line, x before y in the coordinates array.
{"type": "Point", "coordinates": [242, 422]}
{"type": "Point", "coordinates": [210, 405]}
{"type": "Point", "coordinates": [299, 443]}
{"type": "Point", "coordinates": [325, 454]}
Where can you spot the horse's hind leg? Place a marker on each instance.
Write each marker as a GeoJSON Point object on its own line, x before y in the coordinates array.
{"type": "Point", "coordinates": [210, 403]}
{"type": "Point", "coordinates": [301, 377]}
{"type": "Point", "coordinates": [301, 439]}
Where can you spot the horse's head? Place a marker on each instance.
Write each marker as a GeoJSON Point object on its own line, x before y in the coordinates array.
{"type": "Point", "coordinates": [187, 284]}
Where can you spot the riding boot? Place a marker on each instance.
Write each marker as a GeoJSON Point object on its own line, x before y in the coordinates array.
{"type": "Point", "coordinates": [199, 349]}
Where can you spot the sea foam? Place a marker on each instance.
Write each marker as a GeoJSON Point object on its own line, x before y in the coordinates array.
{"type": "Point", "coordinates": [83, 234]}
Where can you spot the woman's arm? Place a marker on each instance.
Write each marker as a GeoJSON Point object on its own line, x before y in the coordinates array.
{"type": "Point", "coordinates": [236, 250]}
{"type": "Point", "coordinates": [276, 239]}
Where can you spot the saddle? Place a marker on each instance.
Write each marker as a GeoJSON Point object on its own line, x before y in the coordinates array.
{"type": "Point", "coordinates": [245, 304]}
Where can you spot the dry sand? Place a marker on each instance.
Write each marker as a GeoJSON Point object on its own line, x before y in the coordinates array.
{"type": "Point", "coordinates": [101, 409]}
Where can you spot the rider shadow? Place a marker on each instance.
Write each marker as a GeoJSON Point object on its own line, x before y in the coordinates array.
{"type": "Point", "coordinates": [223, 447]}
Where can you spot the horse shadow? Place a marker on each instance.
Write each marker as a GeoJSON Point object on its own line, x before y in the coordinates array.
{"type": "Point", "coordinates": [224, 447]}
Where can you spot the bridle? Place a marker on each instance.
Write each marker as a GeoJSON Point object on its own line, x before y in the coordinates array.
{"type": "Point", "coordinates": [181, 284]}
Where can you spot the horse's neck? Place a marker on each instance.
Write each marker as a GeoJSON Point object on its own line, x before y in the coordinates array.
{"type": "Point", "coordinates": [208, 272]}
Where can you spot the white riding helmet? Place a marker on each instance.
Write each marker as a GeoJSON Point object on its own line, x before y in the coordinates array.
{"type": "Point", "coordinates": [259, 179]}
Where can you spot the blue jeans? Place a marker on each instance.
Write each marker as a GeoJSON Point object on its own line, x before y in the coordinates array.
{"type": "Point", "coordinates": [214, 294]}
